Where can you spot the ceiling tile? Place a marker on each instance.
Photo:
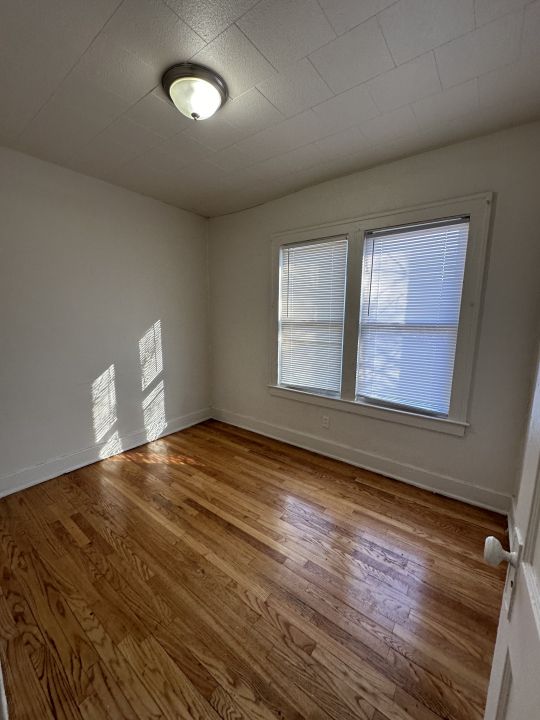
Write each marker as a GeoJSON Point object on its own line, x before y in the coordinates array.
{"type": "Point", "coordinates": [29, 52]}
{"type": "Point", "coordinates": [202, 177]}
{"type": "Point", "coordinates": [354, 57]}
{"type": "Point", "coordinates": [287, 135]}
{"type": "Point", "coordinates": [99, 158]}
{"type": "Point", "coordinates": [236, 59]}
{"type": "Point", "coordinates": [292, 183]}
{"type": "Point", "coordinates": [116, 69]}
{"type": "Point", "coordinates": [39, 44]}
{"type": "Point", "coordinates": [120, 142]}
{"type": "Point", "coordinates": [207, 200]}
{"type": "Point", "coordinates": [295, 89]}
{"type": "Point", "coordinates": [155, 161]}
{"type": "Point", "coordinates": [57, 26]}
{"type": "Point", "coordinates": [362, 157]}
{"type": "Point", "coordinates": [346, 14]}
{"type": "Point", "coordinates": [405, 84]}
{"type": "Point", "coordinates": [23, 95]}
{"type": "Point", "coordinates": [79, 20]}
{"type": "Point", "coordinates": [349, 108]}
{"type": "Point", "coordinates": [352, 149]}
{"type": "Point", "coordinates": [147, 175]}
{"type": "Point", "coordinates": [90, 98]}
{"type": "Point", "coordinates": [210, 17]}
{"type": "Point", "coordinates": [488, 10]}
{"type": "Point", "coordinates": [394, 149]}
{"type": "Point", "coordinates": [197, 183]}
{"type": "Point", "coordinates": [308, 176]}
{"type": "Point", "coordinates": [343, 143]}
{"type": "Point", "coordinates": [66, 125]}
{"type": "Point", "coordinates": [231, 159]}
{"type": "Point", "coordinates": [148, 179]}
{"type": "Point", "coordinates": [158, 114]}
{"type": "Point", "coordinates": [482, 121]}
{"type": "Point", "coordinates": [491, 46]}
{"type": "Point", "coordinates": [233, 201]}
{"type": "Point", "coordinates": [460, 100]}
{"type": "Point", "coordinates": [179, 151]}
{"type": "Point", "coordinates": [153, 32]}
{"type": "Point", "coordinates": [412, 27]}
{"type": "Point", "coordinates": [531, 29]}
{"type": "Point", "coordinates": [215, 132]}
{"type": "Point", "coordinates": [286, 31]}
{"type": "Point", "coordinates": [340, 165]}
{"type": "Point", "coordinates": [289, 162]}
{"type": "Point", "coordinates": [250, 112]}
{"type": "Point", "coordinates": [513, 86]}
{"type": "Point", "coordinates": [391, 126]}
{"type": "Point", "coordinates": [239, 179]}
{"type": "Point", "coordinates": [131, 134]}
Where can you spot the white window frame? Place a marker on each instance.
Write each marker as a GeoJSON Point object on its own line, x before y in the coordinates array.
{"type": "Point", "coordinates": [478, 209]}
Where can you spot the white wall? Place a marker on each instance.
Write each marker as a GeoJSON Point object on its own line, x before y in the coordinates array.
{"type": "Point", "coordinates": [85, 270]}
{"type": "Point", "coordinates": [480, 467]}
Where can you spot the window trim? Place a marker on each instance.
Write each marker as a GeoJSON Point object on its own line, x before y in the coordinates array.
{"type": "Point", "coordinates": [478, 208]}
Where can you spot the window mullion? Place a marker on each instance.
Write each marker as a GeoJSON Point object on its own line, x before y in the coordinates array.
{"type": "Point", "coordinates": [352, 315]}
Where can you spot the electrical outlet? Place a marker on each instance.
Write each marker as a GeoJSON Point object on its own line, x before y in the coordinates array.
{"type": "Point", "coordinates": [325, 421]}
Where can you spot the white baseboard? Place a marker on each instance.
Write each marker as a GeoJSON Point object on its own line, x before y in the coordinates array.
{"type": "Point", "coordinates": [411, 474]}
{"type": "Point", "coordinates": [67, 463]}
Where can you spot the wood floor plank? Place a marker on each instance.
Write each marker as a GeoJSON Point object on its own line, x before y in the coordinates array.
{"type": "Point", "coordinates": [135, 691]}
{"type": "Point", "coordinates": [19, 671]}
{"type": "Point", "coordinates": [225, 706]}
{"type": "Point", "coordinates": [218, 574]}
{"type": "Point", "coordinates": [107, 699]}
{"type": "Point", "coordinates": [173, 691]}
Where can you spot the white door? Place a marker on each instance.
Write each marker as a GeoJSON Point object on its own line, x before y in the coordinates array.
{"type": "Point", "coordinates": [514, 688]}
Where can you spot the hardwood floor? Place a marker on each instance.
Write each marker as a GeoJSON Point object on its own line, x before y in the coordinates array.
{"type": "Point", "coordinates": [219, 574]}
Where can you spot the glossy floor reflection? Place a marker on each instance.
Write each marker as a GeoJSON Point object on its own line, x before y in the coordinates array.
{"type": "Point", "coordinates": [219, 574]}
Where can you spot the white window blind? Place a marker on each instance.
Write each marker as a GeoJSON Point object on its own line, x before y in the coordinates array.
{"type": "Point", "coordinates": [412, 279]}
{"type": "Point", "coordinates": [311, 315]}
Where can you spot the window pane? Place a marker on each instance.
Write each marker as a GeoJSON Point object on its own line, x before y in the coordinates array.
{"type": "Point", "coordinates": [409, 313]}
{"type": "Point", "coordinates": [311, 310]}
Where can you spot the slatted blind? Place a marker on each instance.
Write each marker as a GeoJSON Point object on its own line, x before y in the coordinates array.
{"type": "Point", "coordinates": [412, 279]}
{"type": "Point", "coordinates": [311, 313]}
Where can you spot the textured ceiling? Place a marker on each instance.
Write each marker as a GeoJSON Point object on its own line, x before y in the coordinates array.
{"type": "Point", "coordinates": [318, 88]}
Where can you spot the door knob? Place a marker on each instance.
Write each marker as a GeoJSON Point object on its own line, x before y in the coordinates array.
{"type": "Point", "coordinates": [494, 553]}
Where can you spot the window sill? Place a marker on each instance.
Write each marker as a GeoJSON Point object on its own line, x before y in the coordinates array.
{"type": "Point", "coordinates": [426, 422]}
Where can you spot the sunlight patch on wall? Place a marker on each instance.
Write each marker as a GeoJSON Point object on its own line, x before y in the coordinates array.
{"type": "Point", "coordinates": [154, 412]}
{"type": "Point", "coordinates": [153, 404]}
{"type": "Point", "coordinates": [151, 355]}
{"type": "Point", "coordinates": [113, 446]}
{"type": "Point", "coordinates": [104, 403]}
{"type": "Point", "coordinates": [104, 413]}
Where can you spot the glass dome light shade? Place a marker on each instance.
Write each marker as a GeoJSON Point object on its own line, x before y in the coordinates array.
{"type": "Point", "coordinates": [195, 98]}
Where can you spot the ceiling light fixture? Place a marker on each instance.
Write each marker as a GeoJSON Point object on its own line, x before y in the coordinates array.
{"type": "Point", "coordinates": [196, 91]}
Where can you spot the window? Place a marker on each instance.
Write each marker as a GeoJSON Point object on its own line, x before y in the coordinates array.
{"type": "Point", "coordinates": [409, 314]}
{"type": "Point", "coordinates": [378, 316]}
{"type": "Point", "coordinates": [312, 305]}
